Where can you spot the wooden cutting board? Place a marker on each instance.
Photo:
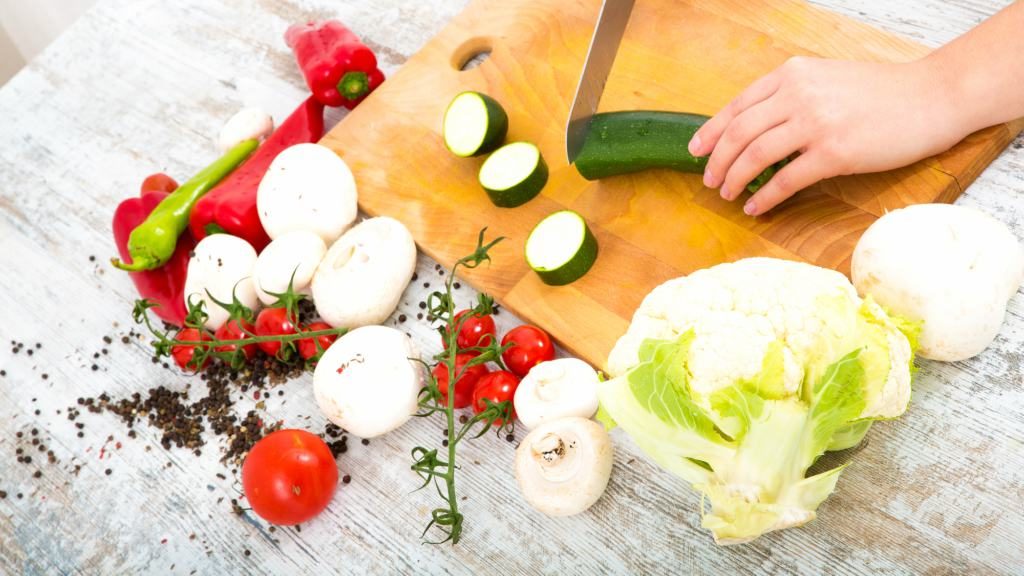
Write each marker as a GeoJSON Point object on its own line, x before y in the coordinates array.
{"type": "Point", "coordinates": [676, 55]}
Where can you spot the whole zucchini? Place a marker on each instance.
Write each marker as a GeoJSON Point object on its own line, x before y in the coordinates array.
{"type": "Point", "coordinates": [624, 142]}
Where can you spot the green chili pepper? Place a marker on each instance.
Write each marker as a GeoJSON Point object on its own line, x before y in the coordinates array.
{"type": "Point", "coordinates": [151, 244]}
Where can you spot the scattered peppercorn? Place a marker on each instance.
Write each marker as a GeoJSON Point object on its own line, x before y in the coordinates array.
{"type": "Point", "coordinates": [366, 441]}
{"type": "Point", "coordinates": [346, 479]}
{"type": "Point", "coordinates": [108, 471]}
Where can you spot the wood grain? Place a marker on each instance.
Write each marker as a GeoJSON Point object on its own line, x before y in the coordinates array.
{"type": "Point", "coordinates": [394, 146]}
{"type": "Point", "coordinates": [135, 87]}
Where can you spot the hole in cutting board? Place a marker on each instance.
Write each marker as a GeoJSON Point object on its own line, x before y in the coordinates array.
{"type": "Point", "coordinates": [471, 53]}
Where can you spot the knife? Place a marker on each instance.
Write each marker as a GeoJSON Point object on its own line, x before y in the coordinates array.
{"type": "Point", "coordinates": [611, 23]}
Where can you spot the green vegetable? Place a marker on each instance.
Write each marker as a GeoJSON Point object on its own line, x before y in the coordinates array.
{"type": "Point", "coordinates": [514, 174]}
{"type": "Point", "coordinates": [624, 142]}
{"type": "Point", "coordinates": [152, 243]}
{"type": "Point", "coordinates": [474, 123]}
{"type": "Point", "coordinates": [561, 248]}
{"type": "Point", "coordinates": [737, 378]}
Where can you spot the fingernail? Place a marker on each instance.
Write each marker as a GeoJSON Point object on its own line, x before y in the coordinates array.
{"type": "Point", "coordinates": [750, 208]}
{"type": "Point", "coordinates": [725, 195]}
{"type": "Point", "coordinates": [694, 146]}
{"type": "Point", "coordinates": [708, 180]}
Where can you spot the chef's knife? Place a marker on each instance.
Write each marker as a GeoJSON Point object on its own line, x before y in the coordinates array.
{"type": "Point", "coordinates": [611, 23]}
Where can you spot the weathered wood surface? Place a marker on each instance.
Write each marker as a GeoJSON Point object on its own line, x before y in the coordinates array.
{"type": "Point", "coordinates": [135, 87]}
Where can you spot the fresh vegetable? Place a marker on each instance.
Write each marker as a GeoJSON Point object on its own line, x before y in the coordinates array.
{"type": "Point", "coordinates": [277, 321]}
{"type": "Point", "coordinates": [625, 142]}
{"type": "Point", "coordinates": [477, 329]}
{"type": "Point", "coordinates": [474, 124]}
{"type": "Point", "coordinates": [738, 377]}
{"type": "Point", "coordinates": [363, 275]}
{"type": "Point", "coordinates": [289, 477]}
{"type": "Point", "coordinates": [307, 187]}
{"type": "Point", "coordinates": [165, 285]}
{"type": "Point", "coordinates": [339, 69]}
{"type": "Point", "coordinates": [563, 466]}
{"type": "Point", "coordinates": [514, 174]}
{"type": "Point", "coordinates": [438, 467]}
{"type": "Point", "coordinates": [498, 387]}
{"type": "Point", "coordinates": [561, 248]}
{"type": "Point", "coordinates": [529, 346]}
{"type": "Point", "coordinates": [236, 329]}
{"type": "Point", "coordinates": [152, 243]}
{"type": "Point", "coordinates": [158, 182]}
{"type": "Point", "coordinates": [289, 259]}
{"type": "Point", "coordinates": [231, 206]}
{"type": "Point", "coordinates": [185, 354]}
{"type": "Point", "coordinates": [556, 389]}
{"type": "Point", "coordinates": [313, 347]}
{"type": "Point", "coordinates": [468, 377]}
{"type": "Point", "coordinates": [954, 268]}
{"type": "Point", "coordinates": [247, 124]}
{"type": "Point", "coordinates": [220, 269]}
{"type": "Point", "coordinates": [368, 381]}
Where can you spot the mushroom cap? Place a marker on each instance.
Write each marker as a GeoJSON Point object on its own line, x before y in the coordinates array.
{"type": "Point", "coordinates": [220, 264]}
{"type": "Point", "coordinates": [307, 187]}
{"type": "Point", "coordinates": [249, 123]}
{"type": "Point", "coordinates": [556, 389]}
{"type": "Point", "coordinates": [363, 275]}
{"type": "Point", "coordinates": [297, 252]}
{"type": "Point", "coordinates": [563, 466]}
{"type": "Point", "coordinates": [367, 383]}
{"type": "Point", "coordinates": [952, 267]}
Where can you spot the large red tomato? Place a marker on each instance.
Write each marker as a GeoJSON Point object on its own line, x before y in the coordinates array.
{"type": "Point", "coordinates": [289, 477]}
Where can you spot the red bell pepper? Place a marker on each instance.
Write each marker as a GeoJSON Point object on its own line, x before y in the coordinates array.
{"type": "Point", "coordinates": [339, 69]}
{"type": "Point", "coordinates": [231, 206]}
{"type": "Point", "coordinates": [164, 285]}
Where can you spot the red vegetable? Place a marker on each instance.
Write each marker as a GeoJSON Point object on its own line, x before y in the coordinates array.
{"type": "Point", "coordinates": [273, 322]}
{"type": "Point", "coordinates": [289, 477]}
{"type": "Point", "coordinates": [231, 206]}
{"type": "Point", "coordinates": [477, 330]}
{"type": "Point", "coordinates": [164, 285]}
{"type": "Point", "coordinates": [308, 346]}
{"type": "Point", "coordinates": [465, 386]}
{"type": "Point", "coordinates": [531, 346]}
{"type": "Point", "coordinates": [183, 354]}
{"type": "Point", "coordinates": [236, 330]}
{"type": "Point", "coordinates": [498, 386]}
{"type": "Point", "coordinates": [339, 69]}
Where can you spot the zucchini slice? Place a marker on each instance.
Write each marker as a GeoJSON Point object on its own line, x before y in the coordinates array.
{"type": "Point", "coordinates": [561, 248]}
{"type": "Point", "coordinates": [625, 142]}
{"type": "Point", "coordinates": [514, 174]}
{"type": "Point", "coordinates": [474, 123]}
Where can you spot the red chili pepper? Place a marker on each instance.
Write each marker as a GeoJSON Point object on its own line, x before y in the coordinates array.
{"type": "Point", "coordinates": [164, 285]}
{"type": "Point", "coordinates": [231, 206]}
{"type": "Point", "coordinates": [339, 69]}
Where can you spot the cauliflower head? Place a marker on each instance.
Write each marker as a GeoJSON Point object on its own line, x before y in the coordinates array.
{"type": "Point", "coordinates": [738, 377]}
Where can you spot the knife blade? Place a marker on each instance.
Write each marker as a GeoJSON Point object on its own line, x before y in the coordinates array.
{"type": "Point", "coordinates": [611, 24]}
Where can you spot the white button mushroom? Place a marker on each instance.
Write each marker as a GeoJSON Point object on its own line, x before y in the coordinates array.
{"type": "Point", "coordinates": [563, 466]}
{"type": "Point", "coordinates": [297, 253]}
{"type": "Point", "coordinates": [220, 264]}
{"type": "Point", "coordinates": [952, 267]}
{"type": "Point", "coordinates": [556, 389]}
{"type": "Point", "coordinates": [247, 124]}
{"type": "Point", "coordinates": [307, 187]}
{"type": "Point", "coordinates": [366, 381]}
{"type": "Point", "coordinates": [363, 275]}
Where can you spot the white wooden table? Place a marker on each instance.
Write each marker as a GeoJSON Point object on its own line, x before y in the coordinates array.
{"type": "Point", "coordinates": [136, 87]}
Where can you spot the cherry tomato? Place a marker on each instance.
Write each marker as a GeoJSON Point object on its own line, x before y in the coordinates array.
{"type": "Point", "coordinates": [236, 330]}
{"type": "Point", "coordinates": [158, 182]}
{"type": "Point", "coordinates": [531, 347]}
{"type": "Point", "coordinates": [477, 330]}
{"type": "Point", "coordinates": [307, 346]}
{"type": "Point", "coordinates": [466, 384]}
{"type": "Point", "coordinates": [497, 386]}
{"type": "Point", "coordinates": [289, 477]}
{"type": "Point", "coordinates": [273, 322]}
{"type": "Point", "coordinates": [182, 354]}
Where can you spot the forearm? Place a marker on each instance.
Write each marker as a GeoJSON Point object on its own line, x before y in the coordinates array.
{"type": "Point", "coordinates": [982, 72]}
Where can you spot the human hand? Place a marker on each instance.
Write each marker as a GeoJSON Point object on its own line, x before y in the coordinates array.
{"type": "Point", "coordinates": [841, 117]}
